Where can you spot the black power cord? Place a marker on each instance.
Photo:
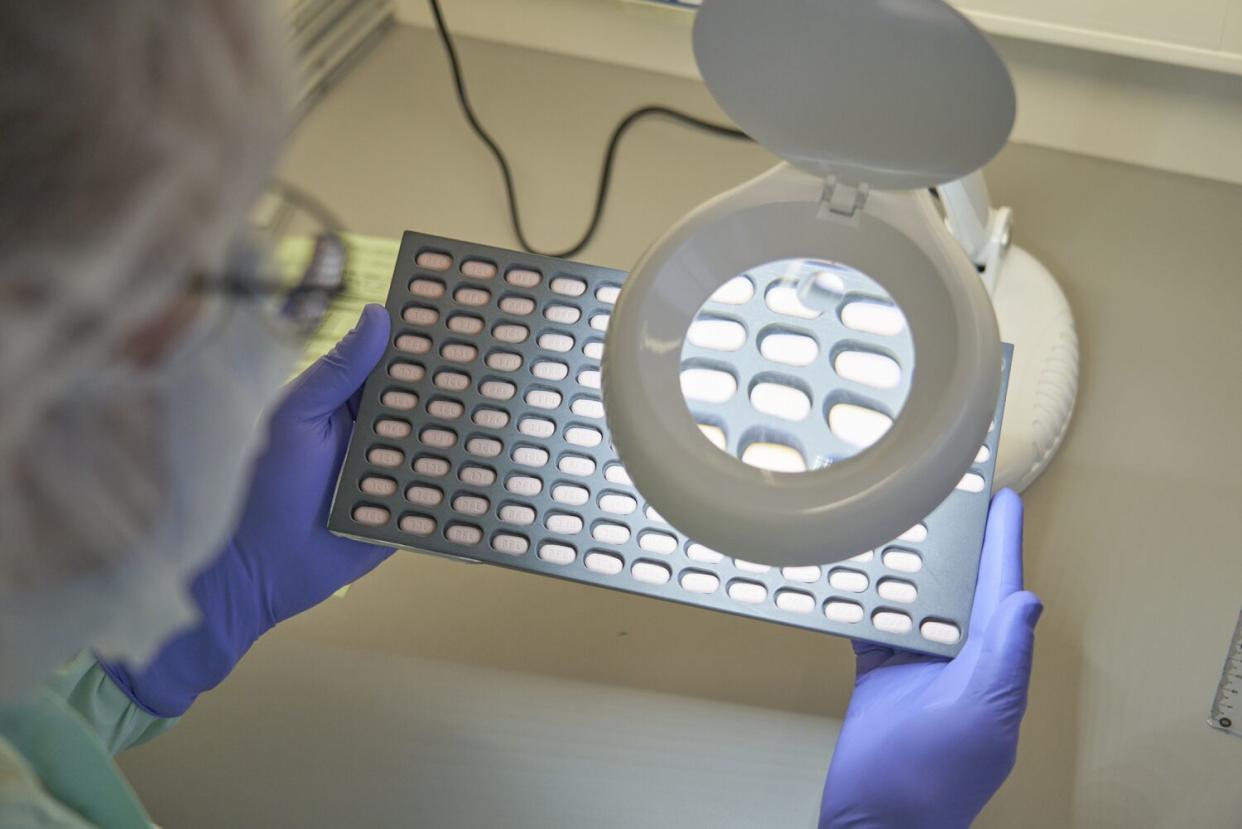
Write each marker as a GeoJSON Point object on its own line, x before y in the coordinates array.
{"type": "Point", "coordinates": [605, 178]}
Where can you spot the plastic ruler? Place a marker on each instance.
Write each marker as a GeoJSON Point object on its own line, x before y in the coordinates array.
{"type": "Point", "coordinates": [1227, 706]}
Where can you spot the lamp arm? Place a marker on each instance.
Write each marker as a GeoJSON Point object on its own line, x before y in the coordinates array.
{"type": "Point", "coordinates": [982, 231]}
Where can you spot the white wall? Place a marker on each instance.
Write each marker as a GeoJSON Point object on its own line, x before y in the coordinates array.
{"type": "Point", "coordinates": [1187, 32]}
{"type": "Point", "coordinates": [1161, 112]}
{"type": "Point", "coordinates": [1232, 39]}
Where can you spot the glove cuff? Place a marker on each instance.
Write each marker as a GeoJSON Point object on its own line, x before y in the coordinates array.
{"type": "Point", "coordinates": [198, 659]}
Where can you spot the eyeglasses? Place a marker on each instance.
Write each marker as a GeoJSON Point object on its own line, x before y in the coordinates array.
{"type": "Point", "coordinates": [291, 260]}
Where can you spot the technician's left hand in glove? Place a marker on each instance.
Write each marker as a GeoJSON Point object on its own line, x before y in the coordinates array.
{"type": "Point", "coordinates": [927, 741]}
{"type": "Point", "coordinates": [282, 559]}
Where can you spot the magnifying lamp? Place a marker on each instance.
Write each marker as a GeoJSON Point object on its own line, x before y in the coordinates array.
{"type": "Point", "coordinates": [869, 105]}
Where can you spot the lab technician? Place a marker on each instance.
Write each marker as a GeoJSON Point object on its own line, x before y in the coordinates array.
{"type": "Point", "coordinates": [163, 502]}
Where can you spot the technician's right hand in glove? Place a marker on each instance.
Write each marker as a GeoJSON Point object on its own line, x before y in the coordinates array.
{"type": "Point", "coordinates": [926, 741]}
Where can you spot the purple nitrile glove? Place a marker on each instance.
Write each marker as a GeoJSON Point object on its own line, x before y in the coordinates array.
{"type": "Point", "coordinates": [927, 741]}
{"type": "Point", "coordinates": [282, 559]}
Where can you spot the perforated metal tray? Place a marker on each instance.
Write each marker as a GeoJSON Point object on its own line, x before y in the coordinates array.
{"type": "Point", "coordinates": [488, 415]}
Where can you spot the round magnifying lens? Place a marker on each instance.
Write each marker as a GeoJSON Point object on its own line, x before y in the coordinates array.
{"type": "Point", "coordinates": [769, 377]}
{"type": "Point", "coordinates": [797, 364]}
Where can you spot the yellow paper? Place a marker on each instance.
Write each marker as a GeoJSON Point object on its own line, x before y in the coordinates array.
{"type": "Point", "coordinates": [368, 273]}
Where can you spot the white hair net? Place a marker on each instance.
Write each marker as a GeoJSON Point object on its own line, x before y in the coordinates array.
{"type": "Point", "coordinates": [134, 137]}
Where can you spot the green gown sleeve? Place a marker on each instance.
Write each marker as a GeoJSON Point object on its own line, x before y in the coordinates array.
{"type": "Point", "coordinates": [116, 721]}
{"type": "Point", "coordinates": [56, 747]}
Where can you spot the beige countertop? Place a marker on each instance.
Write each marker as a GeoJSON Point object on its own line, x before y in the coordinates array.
{"type": "Point", "coordinates": [441, 694]}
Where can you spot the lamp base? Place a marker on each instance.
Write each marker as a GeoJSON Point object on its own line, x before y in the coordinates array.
{"type": "Point", "coordinates": [1035, 316]}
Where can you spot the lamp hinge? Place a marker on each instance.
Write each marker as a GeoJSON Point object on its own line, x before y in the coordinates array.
{"type": "Point", "coordinates": [842, 199]}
